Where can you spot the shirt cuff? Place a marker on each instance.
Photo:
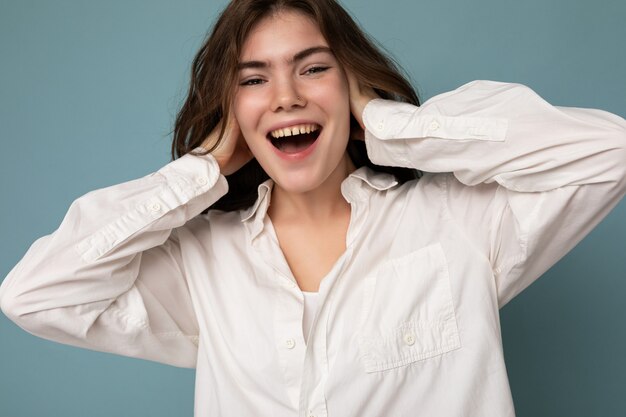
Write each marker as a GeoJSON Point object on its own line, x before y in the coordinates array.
{"type": "Point", "coordinates": [192, 181]}
{"type": "Point", "coordinates": [388, 119]}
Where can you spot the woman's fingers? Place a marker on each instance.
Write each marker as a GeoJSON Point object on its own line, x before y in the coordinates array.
{"type": "Point", "coordinates": [355, 92]}
{"type": "Point", "coordinates": [360, 95]}
{"type": "Point", "coordinates": [230, 150]}
{"type": "Point", "coordinates": [241, 153]}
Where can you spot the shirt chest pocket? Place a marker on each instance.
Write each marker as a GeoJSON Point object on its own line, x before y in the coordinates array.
{"type": "Point", "coordinates": [408, 314]}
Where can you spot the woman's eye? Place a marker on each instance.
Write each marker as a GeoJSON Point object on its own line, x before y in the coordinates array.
{"type": "Point", "coordinates": [252, 81]}
{"type": "Point", "coordinates": [316, 70]}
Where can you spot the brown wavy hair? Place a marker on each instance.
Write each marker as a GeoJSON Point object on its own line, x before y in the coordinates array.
{"type": "Point", "coordinates": [214, 76]}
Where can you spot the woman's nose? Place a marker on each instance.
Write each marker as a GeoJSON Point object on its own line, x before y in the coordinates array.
{"type": "Point", "coordinates": [286, 96]}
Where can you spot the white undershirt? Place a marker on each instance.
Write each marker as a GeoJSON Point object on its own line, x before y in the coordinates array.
{"type": "Point", "coordinates": [311, 300]}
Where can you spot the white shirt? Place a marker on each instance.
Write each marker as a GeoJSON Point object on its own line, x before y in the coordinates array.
{"type": "Point", "coordinates": [407, 322]}
{"type": "Point", "coordinates": [311, 303]}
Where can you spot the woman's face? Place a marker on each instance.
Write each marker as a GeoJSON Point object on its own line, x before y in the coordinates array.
{"type": "Point", "coordinates": [292, 102]}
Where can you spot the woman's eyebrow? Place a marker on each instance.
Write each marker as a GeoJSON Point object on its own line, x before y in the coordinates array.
{"type": "Point", "coordinates": [297, 57]}
{"type": "Point", "coordinates": [310, 51]}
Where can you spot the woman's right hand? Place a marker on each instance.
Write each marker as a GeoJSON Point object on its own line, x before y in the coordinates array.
{"type": "Point", "coordinates": [231, 152]}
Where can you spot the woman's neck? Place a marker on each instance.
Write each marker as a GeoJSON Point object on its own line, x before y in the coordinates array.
{"type": "Point", "coordinates": [317, 205]}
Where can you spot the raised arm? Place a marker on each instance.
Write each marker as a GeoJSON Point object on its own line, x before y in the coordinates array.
{"type": "Point", "coordinates": [528, 180]}
{"type": "Point", "coordinates": [111, 278]}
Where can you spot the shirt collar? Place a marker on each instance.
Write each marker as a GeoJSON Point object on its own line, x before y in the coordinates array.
{"type": "Point", "coordinates": [262, 203]}
{"type": "Point", "coordinates": [379, 181]}
{"type": "Point", "coordinates": [358, 184]}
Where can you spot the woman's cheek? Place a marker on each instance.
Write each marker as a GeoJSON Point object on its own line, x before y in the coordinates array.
{"type": "Point", "coordinates": [243, 113]}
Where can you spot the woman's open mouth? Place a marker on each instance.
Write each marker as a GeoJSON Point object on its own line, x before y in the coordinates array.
{"type": "Point", "coordinates": [294, 139]}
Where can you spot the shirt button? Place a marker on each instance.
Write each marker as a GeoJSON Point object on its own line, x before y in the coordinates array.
{"type": "Point", "coordinates": [202, 181]}
{"type": "Point", "coordinates": [434, 125]}
{"type": "Point", "coordinates": [290, 343]}
{"type": "Point", "coordinates": [409, 339]}
{"type": "Point", "coordinates": [381, 126]}
{"type": "Point", "coordinates": [155, 207]}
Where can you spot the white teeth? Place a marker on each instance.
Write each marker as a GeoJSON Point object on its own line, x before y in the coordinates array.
{"type": "Point", "coordinates": [294, 130]}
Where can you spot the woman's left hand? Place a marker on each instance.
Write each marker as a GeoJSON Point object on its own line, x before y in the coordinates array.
{"type": "Point", "coordinates": [360, 95]}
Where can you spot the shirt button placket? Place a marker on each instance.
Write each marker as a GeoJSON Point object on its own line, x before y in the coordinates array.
{"type": "Point", "coordinates": [290, 343]}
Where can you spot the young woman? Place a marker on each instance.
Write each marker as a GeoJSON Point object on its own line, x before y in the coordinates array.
{"type": "Point", "coordinates": [321, 282]}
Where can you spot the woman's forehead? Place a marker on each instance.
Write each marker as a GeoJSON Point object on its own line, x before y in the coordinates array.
{"type": "Point", "coordinates": [281, 35]}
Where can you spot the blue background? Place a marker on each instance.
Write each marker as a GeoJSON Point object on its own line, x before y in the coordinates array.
{"type": "Point", "coordinates": [88, 95]}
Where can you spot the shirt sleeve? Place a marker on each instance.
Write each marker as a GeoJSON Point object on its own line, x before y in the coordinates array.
{"type": "Point", "coordinates": [110, 278]}
{"type": "Point", "coordinates": [527, 180]}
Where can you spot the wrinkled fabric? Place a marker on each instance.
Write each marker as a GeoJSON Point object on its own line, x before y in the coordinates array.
{"type": "Point", "coordinates": [407, 319]}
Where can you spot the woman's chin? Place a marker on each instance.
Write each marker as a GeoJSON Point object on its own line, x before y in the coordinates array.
{"type": "Point", "coordinates": [296, 184]}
